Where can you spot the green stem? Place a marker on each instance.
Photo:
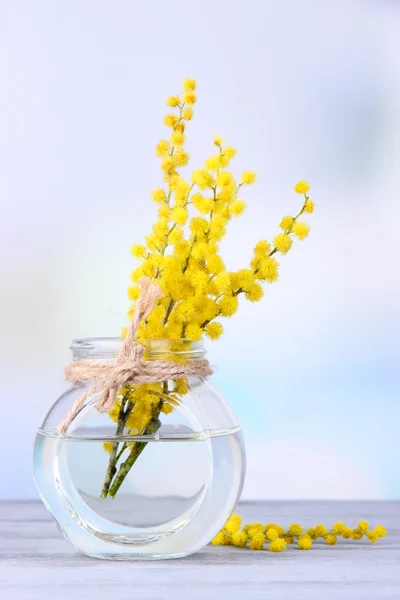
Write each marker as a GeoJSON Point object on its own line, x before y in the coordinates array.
{"type": "Point", "coordinates": [124, 412]}
{"type": "Point", "coordinates": [120, 453]}
{"type": "Point", "coordinates": [168, 311]}
{"type": "Point", "coordinates": [135, 452]}
{"type": "Point", "coordinates": [186, 265]}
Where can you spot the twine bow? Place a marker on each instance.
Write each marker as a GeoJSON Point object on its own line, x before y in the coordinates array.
{"type": "Point", "coordinates": [129, 366]}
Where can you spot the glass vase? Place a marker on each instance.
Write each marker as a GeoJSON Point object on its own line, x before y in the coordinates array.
{"type": "Point", "coordinates": [170, 488]}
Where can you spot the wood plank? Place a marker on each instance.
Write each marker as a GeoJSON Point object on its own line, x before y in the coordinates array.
{"type": "Point", "coordinates": [36, 562]}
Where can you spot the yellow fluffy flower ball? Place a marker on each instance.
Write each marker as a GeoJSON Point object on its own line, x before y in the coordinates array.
{"type": "Point", "coordinates": [178, 138]}
{"type": "Point", "coordinates": [233, 524]}
{"type": "Point", "coordinates": [181, 158]}
{"type": "Point", "coordinates": [179, 215]}
{"type": "Point", "coordinates": [108, 447]}
{"type": "Point", "coordinates": [262, 248]}
{"type": "Point", "coordinates": [239, 539]}
{"type": "Point", "coordinates": [286, 223]}
{"type": "Point", "coordinates": [331, 539]}
{"type": "Point", "coordinates": [189, 84]}
{"type": "Point", "coordinates": [363, 526]}
{"type": "Point", "coordinates": [224, 178]}
{"type": "Point", "coordinates": [202, 178]}
{"type": "Point", "coordinates": [162, 148]}
{"type": "Point", "coordinates": [272, 534]}
{"type": "Point", "coordinates": [278, 545]}
{"type": "Point", "coordinates": [321, 530]}
{"type": "Point", "coordinates": [138, 251]}
{"type": "Point", "coordinates": [173, 101]}
{"type": "Point", "coordinates": [159, 196]}
{"type": "Point", "coordinates": [229, 152]}
{"type": "Point", "coordinates": [347, 533]}
{"type": "Point", "coordinates": [237, 207]}
{"type": "Point", "coordinates": [309, 206]}
{"type": "Point", "coordinates": [253, 528]}
{"type": "Point", "coordinates": [203, 205]}
{"type": "Point", "coordinates": [295, 529]}
{"type": "Point", "coordinates": [221, 539]}
{"type": "Point", "coordinates": [338, 528]}
{"type": "Point", "coordinates": [278, 528]}
{"type": "Point", "coordinates": [215, 264]}
{"type": "Point", "coordinates": [304, 543]}
{"type": "Point", "coordinates": [301, 187]}
{"type": "Point", "coordinates": [380, 530]}
{"type": "Point", "coordinates": [214, 330]}
{"type": "Point", "coordinates": [248, 177]}
{"type": "Point", "coordinates": [189, 98]}
{"type": "Point", "coordinates": [188, 113]}
{"type": "Point", "coordinates": [170, 120]}
{"type": "Point", "coordinates": [257, 541]}
{"type": "Point", "coordinates": [300, 230]}
{"type": "Point", "coordinates": [228, 305]}
{"type": "Point", "coordinates": [283, 242]}
{"type": "Point", "coordinates": [193, 332]}
{"type": "Point", "coordinates": [213, 163]}
{"type": "Point", "coordinates": [254, 292]}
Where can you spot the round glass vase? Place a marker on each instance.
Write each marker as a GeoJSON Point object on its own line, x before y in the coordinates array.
{"type": "Point", "coordinates": [172, 489]}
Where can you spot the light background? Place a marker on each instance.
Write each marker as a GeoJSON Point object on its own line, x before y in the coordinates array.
{"type": "Point", "coordinates": [305, 89]}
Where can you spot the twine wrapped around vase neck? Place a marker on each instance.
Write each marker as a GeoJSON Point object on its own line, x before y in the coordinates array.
{"type": "Point", "coordinates": [129, 366]}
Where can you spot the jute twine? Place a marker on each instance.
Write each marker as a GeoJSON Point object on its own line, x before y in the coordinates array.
{"type": "Point", "coordinates": [129, 366]}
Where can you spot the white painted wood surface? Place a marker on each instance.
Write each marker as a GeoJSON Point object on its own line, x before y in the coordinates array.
{"type": "Point", "coordinates": [37, 563]}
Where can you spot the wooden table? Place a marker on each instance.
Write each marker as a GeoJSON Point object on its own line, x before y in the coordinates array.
{"type": "Point", "coordinates": [36, 562]}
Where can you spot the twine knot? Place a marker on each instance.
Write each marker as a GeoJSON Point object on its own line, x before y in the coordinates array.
{"type": "Point", "coordinates": [129, 366]}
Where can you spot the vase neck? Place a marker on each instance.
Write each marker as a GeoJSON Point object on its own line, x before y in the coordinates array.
{"type": "Point", "coordinates": [164, 349]}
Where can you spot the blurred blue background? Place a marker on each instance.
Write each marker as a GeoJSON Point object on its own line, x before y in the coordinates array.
{"type": "Point", "coordinates": [303, 89]}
